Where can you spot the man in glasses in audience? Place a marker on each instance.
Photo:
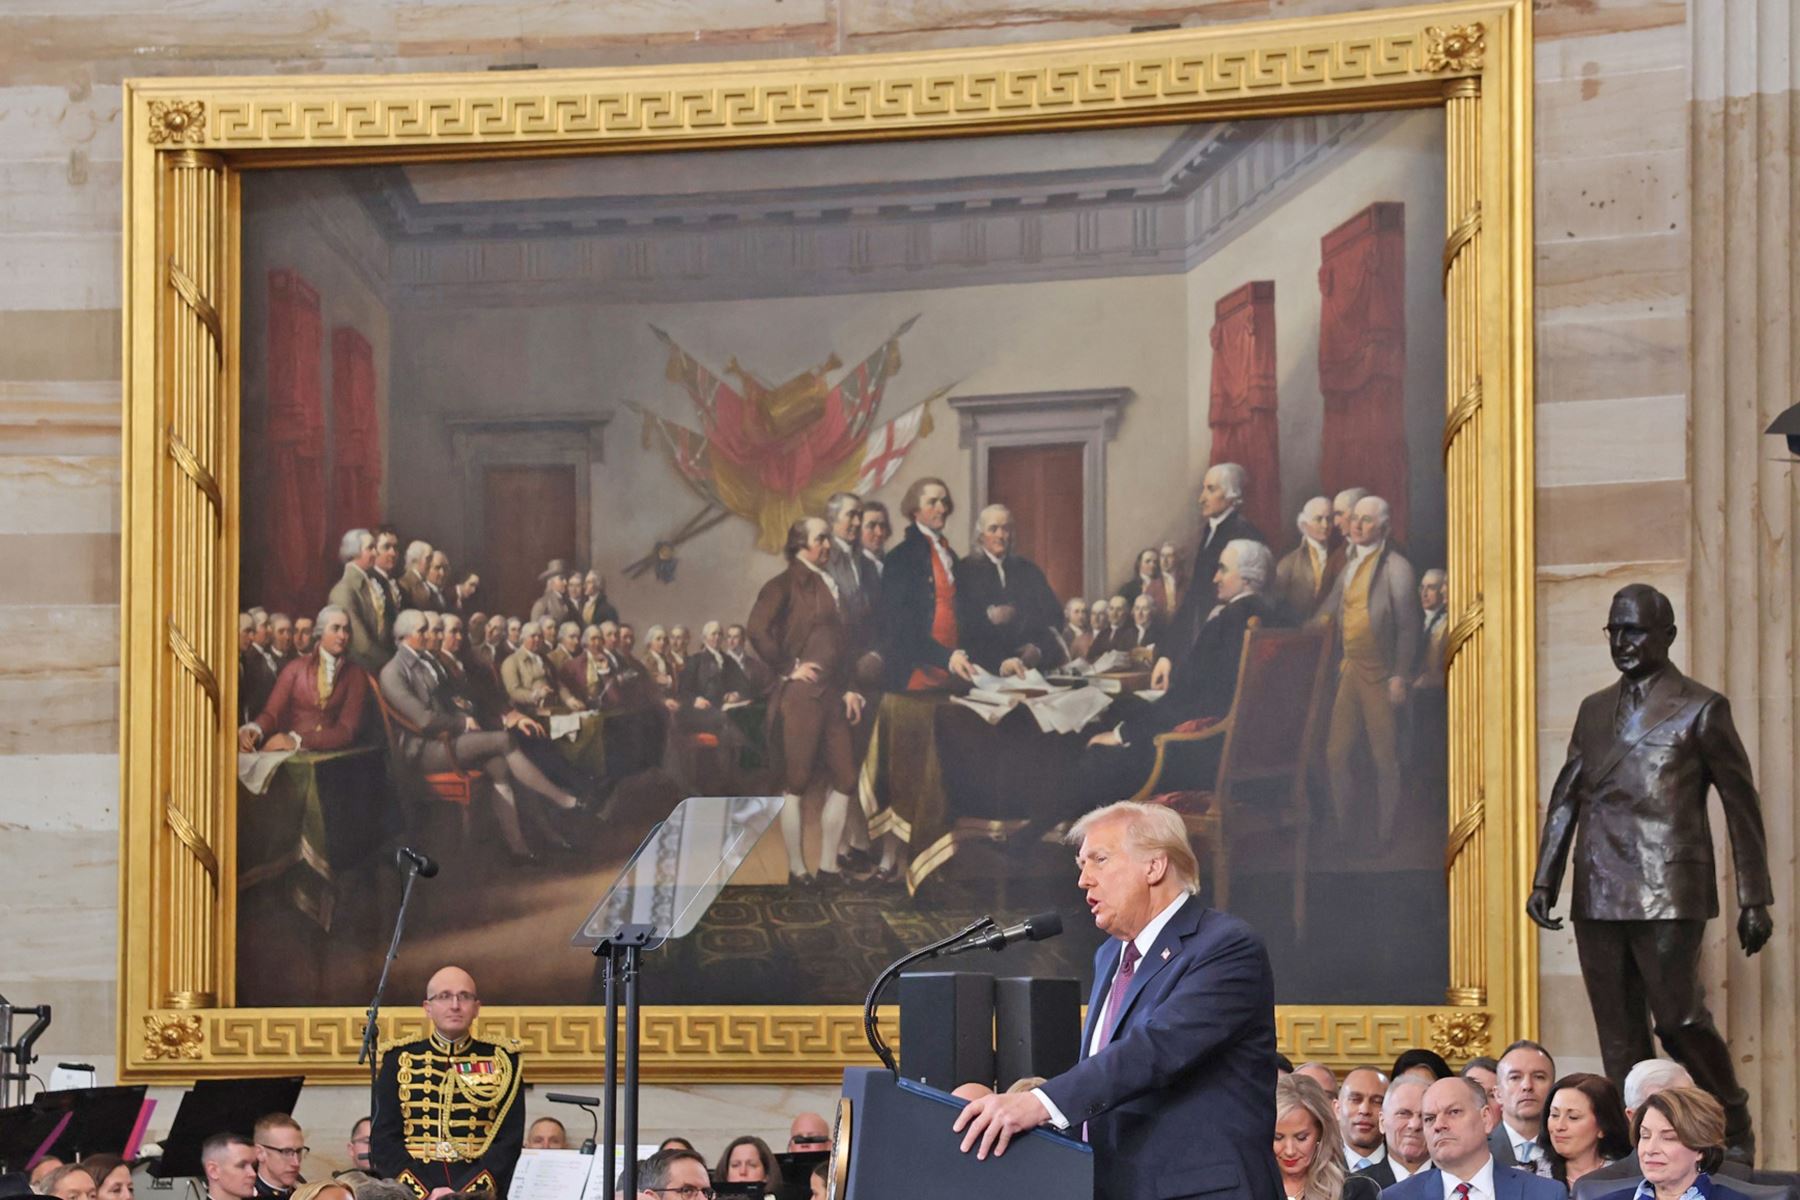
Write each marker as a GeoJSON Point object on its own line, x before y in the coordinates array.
{"type": "Point", "coordinates": [674, 1174]}
{"type": "Point", "coordinates": [448, 1116]}
{"type": "Point", "coordinates": [280, 1145]}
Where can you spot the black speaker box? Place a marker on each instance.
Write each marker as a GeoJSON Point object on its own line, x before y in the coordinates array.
{"type": "Point", "coordinates": [947, 1028]}
{"type": "Point", "coordinates": [1037, 1027]}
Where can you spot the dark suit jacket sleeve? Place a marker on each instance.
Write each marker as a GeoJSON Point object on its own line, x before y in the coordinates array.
{"type": "Point", "coordinates": [1222, 993]}
{"type": "Point", "coordinates": [1559, 819]}
{"type": "Point", "coordinates": [1729, 769]}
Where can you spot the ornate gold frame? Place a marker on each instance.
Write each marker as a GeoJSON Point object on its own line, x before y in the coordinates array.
{"type": "Point", "coordinates": [188, 140]}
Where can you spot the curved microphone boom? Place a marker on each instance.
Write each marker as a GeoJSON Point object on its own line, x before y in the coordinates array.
{"type": "Point", "coordinates": [1031, 929]}
{"type": "Point", "coordinates": [408, 859]}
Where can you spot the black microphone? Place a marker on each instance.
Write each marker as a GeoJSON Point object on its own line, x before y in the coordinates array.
{"type": "Point", "coordinates": [1031, 929]}
{"type": "Point", "coordinates": [408, 859]}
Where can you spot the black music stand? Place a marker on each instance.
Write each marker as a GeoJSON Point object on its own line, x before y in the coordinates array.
{"type": "Point", "coordinates": [220, 1106]}
{"type": "Point", "coordinates": [670, 882]}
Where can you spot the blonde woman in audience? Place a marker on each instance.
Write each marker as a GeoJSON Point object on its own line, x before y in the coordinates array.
{"type": "Point", "coordinates": [1308, 1148]}
{"type": "Point", "coordinates": [325, 1189]}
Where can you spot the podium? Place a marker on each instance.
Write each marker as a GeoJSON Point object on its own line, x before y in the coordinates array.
{"type": "Point", "coordinates": [894, 1142]}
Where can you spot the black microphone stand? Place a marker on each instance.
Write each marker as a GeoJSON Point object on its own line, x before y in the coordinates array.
{"type": "Point", "coordinates": [618, 957]}
{"type": "Point", "coordinates": [367, 1054]}
{"type": "Point", "coordinates": [871, 1026]}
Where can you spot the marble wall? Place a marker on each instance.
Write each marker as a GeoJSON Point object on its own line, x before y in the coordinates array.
{"type": "Point", "coordinates": [1664, 177]}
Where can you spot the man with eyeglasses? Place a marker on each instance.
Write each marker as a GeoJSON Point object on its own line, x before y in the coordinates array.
{"type": "Point", "coordinates": [359, 1146]}
{"type": "Point", "coordinates": [280, 1145]}
{"type": "Point", "coordinates": [448, 1120]}
{"type": "Point", "coordinates": [674, 1174]}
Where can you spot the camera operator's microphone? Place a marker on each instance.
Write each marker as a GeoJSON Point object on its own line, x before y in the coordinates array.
{"type": "Point", "coordinates": [406, 858]}
{"type": "Point", "coordinates": [1031, 929]}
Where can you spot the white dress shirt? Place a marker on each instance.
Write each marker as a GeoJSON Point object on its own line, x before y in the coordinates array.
{"type": "Point", "coordinates": [1145, 939]}
{"type": "Point", "coordinates": [999, 565]}
{"type": "Point", "coordinates": [1399, 1168]}
{"type": "Point", "coordinates": [878, 564]}
{"type": "Point", "coordinates": [1481, 1186]}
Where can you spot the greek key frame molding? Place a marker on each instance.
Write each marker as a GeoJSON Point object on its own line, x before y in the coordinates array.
{"type": "Point", "coordinates": [187, 143]}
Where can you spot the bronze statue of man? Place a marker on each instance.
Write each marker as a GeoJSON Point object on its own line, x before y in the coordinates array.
{"type": "Point", "coordinates": [1632, 798]}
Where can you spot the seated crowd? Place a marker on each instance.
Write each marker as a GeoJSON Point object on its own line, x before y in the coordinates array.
{"type": "Point", "coordinates": [1510, 1129]}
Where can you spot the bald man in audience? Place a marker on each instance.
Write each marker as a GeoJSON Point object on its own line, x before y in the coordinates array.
{"type": "Point", "coordinates": [547, 1133]}
{"type": "Point", "coordinates": [808, 1132]}
{"type": "Point", "coordinates": [1320, 1074]}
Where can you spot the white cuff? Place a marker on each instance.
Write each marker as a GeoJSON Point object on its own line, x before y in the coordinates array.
{"type": "Point", "coordinates": [1056, 1117]}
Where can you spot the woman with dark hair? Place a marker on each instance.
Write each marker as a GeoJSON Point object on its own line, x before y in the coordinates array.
{"type": "Point", "coordinates": [679, 1143]}
{"type": "Point", "coordinates": [1585, 1128]}
{"type": "Point", "coordinates": [1428, 1065]}
{"type": "Point", "coordinates": [747, 1159]}
{"type": "Point", "coordinates": [112, 1176]}
{"type": "Point", "coordinates": [1680, 1137]}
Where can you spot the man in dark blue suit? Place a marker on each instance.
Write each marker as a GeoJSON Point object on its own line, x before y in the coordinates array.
{"type": "Point", "coordinates": [1175, 1090]}
{"type": "Point", "coordinates": [1457, 1123]}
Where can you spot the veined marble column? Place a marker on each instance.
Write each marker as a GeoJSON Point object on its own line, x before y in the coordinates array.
{"type": "Point", "coordinates": [1742, 574]}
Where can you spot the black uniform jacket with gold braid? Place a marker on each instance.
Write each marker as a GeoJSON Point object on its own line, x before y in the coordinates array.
{"type": "Point", "coordinates": [448, 1114]}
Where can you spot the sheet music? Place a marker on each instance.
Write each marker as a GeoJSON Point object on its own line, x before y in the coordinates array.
{"type": "Point", "coordinates": [554, 1175]}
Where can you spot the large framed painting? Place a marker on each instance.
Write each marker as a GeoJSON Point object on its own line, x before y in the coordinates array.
{"type": "Point", "coordinates": [947, 443]}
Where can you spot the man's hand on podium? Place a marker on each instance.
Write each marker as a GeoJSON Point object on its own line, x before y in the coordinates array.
{"type": "Point", "coordinates": [992, 1121]}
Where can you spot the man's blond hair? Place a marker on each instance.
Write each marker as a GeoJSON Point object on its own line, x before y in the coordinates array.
{"type": "Point", "coordinates": [1150, 829]}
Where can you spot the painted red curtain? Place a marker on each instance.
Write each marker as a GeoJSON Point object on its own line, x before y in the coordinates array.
{"type": "Point", "coordinates": [1362, 357]}
{"type": "Point", "coordinates": [1242, 415]}
{"type": "Point", "coordinates": [292, 480]}
{"type": "Point", "coordinates": [355, 433]}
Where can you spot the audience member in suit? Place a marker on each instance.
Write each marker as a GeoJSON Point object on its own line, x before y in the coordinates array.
{"type": "Point", "coordinates": [589, 675]}
{"type": "Point", "coordinates": [567, 646]}
{"type": "Point", "coordinates": [1456, 1130]}
{"type": "Point", "coordinates": [1198, 675]}
{"type": "Point", "coordinates": [413, 592]}
{"type": "Point", "coordinates": [303, 635]}
{"type": "Point", "coordinates": [1375, 605]}
{"type": "Point", "coordinates": [1077, 635]}
{"type": "Point", "coordinates": [1173, 1086]}
{"type": "Point", "coordinates": [1168, 564]}
{"type": "Point", "coordinates": [1403, 1134]}
{"type": "Point", "coordinates": [1645, 1080]}
{"type": "Point", "coordinates": [317, 703]}
{"type": "Point", "coordinates": [1304, 575]}
{"type": "Point", "coordinates": [1486, 1072]}
{"type": "Point", "coordinates": [1358, 1117]}
{"type": "Point", "coordinates": [1006, 612]}
{"type": "Point", "coordinates": [1680, 1135]}
{"type": "Point", "coordinates": [361, 596]}
{"type": "Point", "coordinates": [1526, 1070]}
{"type": "Point", "coordinates": [921, 647]}
{"type": "Point", "coordinates": [1585, 1129]}
{"type": "Point", "coordinates": [555, 602]}
{"type": "Point", "coordinates": [1147, 581]}
{"type": "Point", "coordinates": [657, 662]}
{"type": "Point", "coordinates": [1309, 1151]}
{"type": "Point", "coordinates": [449, 738]}
{"type": "Point", "coordinates": [798, 628]}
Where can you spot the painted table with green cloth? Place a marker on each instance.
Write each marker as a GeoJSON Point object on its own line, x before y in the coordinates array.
{"type": "Point", "coordinates": [323, 812]}
{"type": "Point", "coordinates": [937, 776]}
